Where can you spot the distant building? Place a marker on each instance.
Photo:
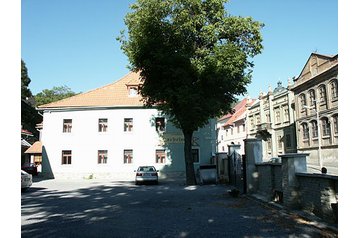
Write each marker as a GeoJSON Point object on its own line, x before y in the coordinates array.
{"type": "Point", "coordinates": [271, 120]}
{"type": "Point", "coordinates": [317, 85]}
{"type": "Point", "coordinates": [231, 128]}
{"type": "Point", "coordinates": [107, 132]}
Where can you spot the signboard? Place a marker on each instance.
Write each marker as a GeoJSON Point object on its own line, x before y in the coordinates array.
{"type": "Point", "coordinates": [177, 139]}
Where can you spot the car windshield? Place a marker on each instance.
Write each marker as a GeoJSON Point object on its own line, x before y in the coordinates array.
{"type": "Point", "coordinates": [146, 169]}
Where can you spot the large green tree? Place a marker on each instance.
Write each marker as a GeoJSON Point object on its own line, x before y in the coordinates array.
{"type": "Point", "coordinates": [54, 94]}
{"type": "Point", "coordinates": [194, 57]}
{"type": "Point", "coordinates": [25, 81]}
{"type": "Point", "coordinates": [29, 115]}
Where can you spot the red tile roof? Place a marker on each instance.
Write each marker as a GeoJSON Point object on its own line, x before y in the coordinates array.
{"type": "Point", "coordinates": [114, 94]}
{"type": "Point", "coordinates": [239, 113]}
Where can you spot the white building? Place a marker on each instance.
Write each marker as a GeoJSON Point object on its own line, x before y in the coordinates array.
{"type": "Point", "coordinates": [107, 132]}
{"type": "Point", "coordinates": [232, 128]}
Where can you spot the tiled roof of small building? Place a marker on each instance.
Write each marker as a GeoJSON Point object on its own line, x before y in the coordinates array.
{"type": "Point", "coordinates": [36, 148]}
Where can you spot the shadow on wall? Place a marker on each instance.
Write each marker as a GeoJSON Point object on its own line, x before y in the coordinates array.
{"type": "Point", "coordinates": [46, 165]}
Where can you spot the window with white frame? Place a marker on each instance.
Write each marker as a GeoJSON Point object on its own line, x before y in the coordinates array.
{"type": "Point", "coordinates": [67, 125]}
{"type": "Point", "coordinates": [128, 124]}
{"type": "Point", "coordinates": [102, 124]}
{"type": "Point", "coordinates": [160, 156]}
{"type": "Point", "coordinates": [128, 156]}
{"type": "Point", "coordinates": [66, 157]}
{"type": "Point", "coordinates": [325, 127]}
{"type": "Point", "coordinates": [102, 156]}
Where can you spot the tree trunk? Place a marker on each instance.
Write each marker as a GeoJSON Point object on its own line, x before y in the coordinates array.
{"type": "Point", "coordinates": [189, 165]}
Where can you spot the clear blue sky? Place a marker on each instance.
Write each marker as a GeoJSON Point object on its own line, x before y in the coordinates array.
{"type": "Point", "coordinates": [73, 42]}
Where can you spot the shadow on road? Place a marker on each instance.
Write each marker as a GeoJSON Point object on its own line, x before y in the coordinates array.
{"type": "Point", "coordinates": [122, 209]}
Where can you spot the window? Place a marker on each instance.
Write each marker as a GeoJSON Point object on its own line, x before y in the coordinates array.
{"type": "Point", "coordinates": [277, 115]}
{"type": "Point", "coordinates": [133, 91]}
{"type": "Point", "coordinates": [305, 131]}
{"type": "Point", "coordinates": [335, 124]}
{"type": "Point", "coordinates": [314, 129]}
{"type": "Point", "coordinates": [160, 156]}
{"type": "Point", "coordinates": [269, 144]}
{"type": "Point", "coordinates": [268, 117]}
{"type": "Point", "coordinates": [334, 89]}
{"type": "Point", "coordinates": [102, 156]}
{"type": "Point", "coordinates": [325, 127]}
{"type": "Point", "coordinates": [128, 124]}
{"type": "Point", "coordinates": [303, 101]}
{"type": "Point", "coordinates": [67, 125]}
{"type": "Point", "coordinates": [322, 94]}
{"type": "Point", "coordinates": [252, 123]}
{"type": "Point", "coordinates": [258, 119]}
{"type": "Point", "coordinates": [243, 127]}
{"type": "Point", "coordinates": [66, 157]}
{"type": "Point", "coordinates": [160, 124]}
{"type": "Point", "coordinates": [312, 97]}
{"type": "Point", "coordinates": [279, 142]}
{"type": "Point", "coordinates": [102, 124]}
{"type": "Point", "coordinates": [286, 114]}
{"type": "Point", "coordinates": [128, 156]}
{"type": "Point", "coordinates": [195, 155]}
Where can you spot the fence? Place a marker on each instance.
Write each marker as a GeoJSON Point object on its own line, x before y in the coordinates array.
{"type": "Point", "coordinates": [288, 182]}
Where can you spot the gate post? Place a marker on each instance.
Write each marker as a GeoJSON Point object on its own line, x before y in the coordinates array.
{"type": "Point", "coordinates": [292, 164]}
{"type": "Point", "coordinates": [253, 152]}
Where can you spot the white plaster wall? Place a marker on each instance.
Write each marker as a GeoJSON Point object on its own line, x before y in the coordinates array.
{"type": "Point", "coordinates": [84, 141]}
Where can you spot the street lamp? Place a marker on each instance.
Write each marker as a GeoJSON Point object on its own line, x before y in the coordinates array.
{"type": "Point", "coordinates": [315, 109]}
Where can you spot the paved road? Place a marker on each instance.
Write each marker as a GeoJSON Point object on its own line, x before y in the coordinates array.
{"type": "Point", "coordinates": [98, 208]}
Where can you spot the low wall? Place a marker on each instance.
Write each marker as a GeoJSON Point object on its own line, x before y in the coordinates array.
{"type": "Point", "coordinates": [319, 195]}
{"type": "Point", "coordinates": [269, 180]}
{"type": "Point", "coordinates": [288, 183]}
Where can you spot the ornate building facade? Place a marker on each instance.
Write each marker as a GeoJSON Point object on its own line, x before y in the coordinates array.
{"type": "Point", "coordinates": [316, 100]}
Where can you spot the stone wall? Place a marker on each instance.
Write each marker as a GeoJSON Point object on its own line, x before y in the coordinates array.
{"type": "Point", "coordinates": [289, 183]}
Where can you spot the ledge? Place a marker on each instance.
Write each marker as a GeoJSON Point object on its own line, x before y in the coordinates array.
{"type": "Point", "coordinates": [316, 175]}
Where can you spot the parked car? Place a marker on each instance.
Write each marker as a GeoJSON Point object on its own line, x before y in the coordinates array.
{"type": "Point", "coordinates": [26, 180]}
{"type": "Point", "coordinates": [146, 174]}
{"type": "Point", "coordinates": [30, 168]}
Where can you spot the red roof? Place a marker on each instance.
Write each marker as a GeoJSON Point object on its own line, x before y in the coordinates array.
{"type": "Point", "coordinates": [239, 113]}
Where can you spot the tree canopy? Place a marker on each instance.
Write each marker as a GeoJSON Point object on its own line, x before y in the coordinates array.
{"type": "Point", "coordinates": [29, 115]}
{"type": "Point", "coordinates": [52, 95]}
{"type": "Point", "coordinates": [194, 57]}
{"type": "Point", "coordinates": [25, 81]}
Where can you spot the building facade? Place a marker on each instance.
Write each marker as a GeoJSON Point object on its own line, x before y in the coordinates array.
{"type": "Point", "coordinates": [316, 100]}
{"type": "Point", "coordinates": [231, 128]}
{"type": "Point", "coordinates": [107, 132]}
{"type": "Point", "coordinates": [271, 120]}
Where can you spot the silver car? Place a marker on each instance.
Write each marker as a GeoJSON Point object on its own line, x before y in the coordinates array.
{"type": "Point", "coordinates": [146, 174]}
{"type": "Point", "coordinates": [26, 180]}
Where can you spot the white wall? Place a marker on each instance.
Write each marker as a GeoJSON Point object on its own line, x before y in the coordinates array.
{"type": "Point", "coordinates": [85, 141]}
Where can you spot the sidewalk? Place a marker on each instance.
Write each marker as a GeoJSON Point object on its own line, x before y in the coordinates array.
{"type": "Point", "coordinates": [299, 216]}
